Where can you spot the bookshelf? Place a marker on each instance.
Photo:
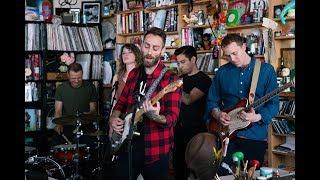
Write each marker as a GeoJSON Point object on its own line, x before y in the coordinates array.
{"type": "Point", "coordinates": [281, 44]}
{"type": "Point", "coordinates": [245, 26]}
{"type": "Point", "coordinates": [284, 37]}
{"type": "Point", "coordinates": [276, 156]}
{"type": "Point", "coordinates": [44, 45]}
{"type": "Point", "coordinates": [173, 26]}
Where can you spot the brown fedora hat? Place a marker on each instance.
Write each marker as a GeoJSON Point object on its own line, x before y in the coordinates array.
{"type": "Point", "coordinates": [199, 155]}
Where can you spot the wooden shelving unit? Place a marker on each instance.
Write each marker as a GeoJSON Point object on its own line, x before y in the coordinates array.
{"type": "Point", "coordinates": [284, 37]}
{"type": "Point", "coordinates": [108, 17]}
{"type": "Point", "coordinates": [131, 34]}
{"type": "Point", "coordinates": [285, 135]}
{"type": "Point", "coordinates": [276, 157]}
{"type": "Point", "coordinates": [197, 26]}
{"type": "Point", "coordinates": [287, 19]}
{"type": "Point", "coordinates": [204, 51]}
{"type": "Point", "coordinates": [130, 11]}
{"type": "Point", "coordinates": [246, 26]}
{"type": "Point", "coordinates": [287, 94]}
{"type": "Point", "coordinates": [161, 7]}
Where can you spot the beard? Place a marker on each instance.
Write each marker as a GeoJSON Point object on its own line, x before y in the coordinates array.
{"type": "Point", "coordinates": [154, 61]}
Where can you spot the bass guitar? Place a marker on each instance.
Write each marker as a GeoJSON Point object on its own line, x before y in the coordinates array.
{"type": "Point", "coordinates": [117, 139]}
{"type": "Point", "coordinates": [236, 122]}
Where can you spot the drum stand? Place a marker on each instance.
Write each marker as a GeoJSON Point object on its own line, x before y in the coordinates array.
{"type": "Point", "coordinates": [100, 153]}
{"type": "Point", "coordinates": [98, 169]}
{"type": "Point", "coordinates": [76, 159]}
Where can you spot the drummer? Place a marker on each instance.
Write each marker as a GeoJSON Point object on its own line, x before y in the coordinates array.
{"type": "Point", "coordinates": [72, 97]}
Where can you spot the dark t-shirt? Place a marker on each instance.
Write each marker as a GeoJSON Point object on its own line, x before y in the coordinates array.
{"type": "Point", "coordinates": [191, 116]}
{"type": "Point", "coordinates": [74, 99]}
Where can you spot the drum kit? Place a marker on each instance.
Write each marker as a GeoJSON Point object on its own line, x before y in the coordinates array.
{"type": "Point", "coordinates": [65, 161]}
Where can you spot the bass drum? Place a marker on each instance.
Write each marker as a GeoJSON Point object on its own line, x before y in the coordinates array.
{"type": "Point", "coordinates": [43, 168]}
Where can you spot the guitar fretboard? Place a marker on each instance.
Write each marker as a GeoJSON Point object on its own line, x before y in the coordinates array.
{"type": "Point", "coordinates": [268, 96]}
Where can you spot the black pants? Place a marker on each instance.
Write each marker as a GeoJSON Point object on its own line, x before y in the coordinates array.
{"type": "Point", "coordinates": [252, 150]}
{"type": "Point", "coordinates": [182, 136]}
{"type": "Point", "coordinates": [155, 171]}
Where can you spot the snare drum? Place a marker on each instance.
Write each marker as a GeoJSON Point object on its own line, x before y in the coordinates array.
{"type": "Point", "coordinates": [65, 153]}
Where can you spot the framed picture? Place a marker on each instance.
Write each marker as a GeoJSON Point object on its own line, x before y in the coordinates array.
{"type": "Point", "coordinates": [75, 12]}
{"type": "Point", "coordinates": [61, 11]}
{"type": "Point", "coordinates": [91, 12]}
{"type": "Point", "coordinates": [277, 10]}
{"type": "Point", "coordinates": [108, 7]}
{"type": "Point", "coordinates": [289, 57]}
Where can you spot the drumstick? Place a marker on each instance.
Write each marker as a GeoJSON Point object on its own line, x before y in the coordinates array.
{"type": "Point", "coordinates": [216, 177]}
{"type": "Point", "coordinates": [65, 138]}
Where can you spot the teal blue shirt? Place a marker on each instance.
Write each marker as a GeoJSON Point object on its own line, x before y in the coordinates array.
{"type": "Point", "coordinates": [232, 83]}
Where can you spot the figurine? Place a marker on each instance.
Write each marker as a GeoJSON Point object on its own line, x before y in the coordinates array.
{"type": "Point", "coordinates": [206, 41]}
{"type": "Point", "coordinates": [192, 20]}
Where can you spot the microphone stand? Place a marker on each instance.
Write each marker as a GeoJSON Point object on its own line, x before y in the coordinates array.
{"type": "Point", "coordinates": [130, 136]}
{"type": "Point", "coordinates": [76, 156]}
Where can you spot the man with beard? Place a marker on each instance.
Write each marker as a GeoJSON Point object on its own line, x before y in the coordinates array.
{"type": "Point", "coordinates": [150, 151]}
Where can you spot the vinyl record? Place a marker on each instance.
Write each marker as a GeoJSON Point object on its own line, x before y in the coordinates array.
{"type": "Point", "coordinates": [107, 72]}
{"type": "Point", "coordinates": [233, 18]}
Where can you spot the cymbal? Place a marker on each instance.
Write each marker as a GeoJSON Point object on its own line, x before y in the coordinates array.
{"type": "Point", "coordinates": [72, 120]}
{"type": "Point", "coordinates": [97, 133]}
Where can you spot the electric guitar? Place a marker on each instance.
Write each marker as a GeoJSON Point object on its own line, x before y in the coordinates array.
{"type": "Point", "coordinates": [243, 105]}
{"type": "Point", "coordinates": [117, 139]}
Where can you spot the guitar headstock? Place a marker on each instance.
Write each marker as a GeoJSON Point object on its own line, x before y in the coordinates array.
{"type": "Point", "coordinates": [173, 86]}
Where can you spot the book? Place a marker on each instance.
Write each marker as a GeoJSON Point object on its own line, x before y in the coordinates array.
{"type": "Point", "coordinates": [32, 119]}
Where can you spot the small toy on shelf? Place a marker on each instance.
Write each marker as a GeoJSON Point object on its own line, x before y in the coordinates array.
{"type": "Point", "coordinates": [191, 20]}
{"type": "Point", "coordinates": [206, 39]}
{"type": "Point", "coordinates": [286, 9]}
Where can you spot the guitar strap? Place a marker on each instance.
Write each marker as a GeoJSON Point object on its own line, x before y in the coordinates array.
{"type": "Point", "coordinates": [144, 96]}
{"type": "Point", "coordinates": [254, 81]}
{"type": "Point", "coordinates": [152, 87]}
{"type": "Point", "coordinates": [139, 90]}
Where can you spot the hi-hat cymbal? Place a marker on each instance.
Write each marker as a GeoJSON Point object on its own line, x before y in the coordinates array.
{"type": "Point", "coordinates": [72, 120]}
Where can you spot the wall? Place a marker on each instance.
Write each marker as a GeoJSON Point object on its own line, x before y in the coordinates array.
{"type": "Point", "coordinates": [78, 5]}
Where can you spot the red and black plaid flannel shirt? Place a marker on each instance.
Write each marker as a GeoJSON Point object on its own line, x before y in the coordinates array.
{"type": "Point", "coordinates": [158, 137]}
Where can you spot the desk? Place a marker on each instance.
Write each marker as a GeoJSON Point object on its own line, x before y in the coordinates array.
{"type": "Point", "coordinates": [284, 175]}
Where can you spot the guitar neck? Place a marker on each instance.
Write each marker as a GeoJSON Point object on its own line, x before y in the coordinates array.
{"type": "Point", "coordinates": [140, 111]}
{"type": "Point", "coordinates": [268, 96]}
